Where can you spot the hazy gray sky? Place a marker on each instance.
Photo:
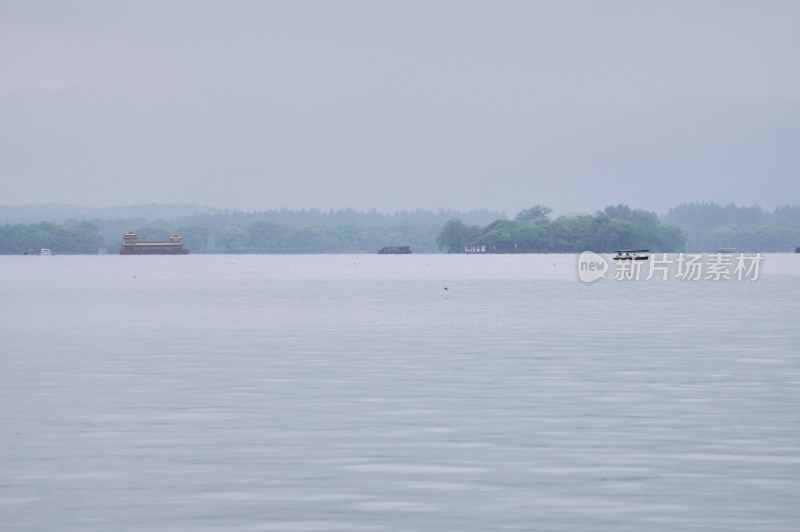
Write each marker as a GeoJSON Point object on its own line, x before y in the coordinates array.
{"type": "Point", "coordinates": [397, 105]}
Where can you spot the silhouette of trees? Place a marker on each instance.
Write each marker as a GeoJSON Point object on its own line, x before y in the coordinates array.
{"type": "Point", "coordinates": [81, 238]}
{"type": "Point", "coordinates": [616, 227]}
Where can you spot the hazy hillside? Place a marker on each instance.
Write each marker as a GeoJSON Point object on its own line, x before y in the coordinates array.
{"type": "Point", "coordinates": [158, 221]}
{"type": "Point", "coordinates": [60, 213]}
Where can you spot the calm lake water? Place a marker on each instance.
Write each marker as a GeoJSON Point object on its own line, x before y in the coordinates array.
{"type": "Point", "coordinates": [353, 392]}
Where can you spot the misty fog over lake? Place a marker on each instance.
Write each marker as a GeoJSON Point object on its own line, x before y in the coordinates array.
{"type": "Point", "coordinates": [284, 376]}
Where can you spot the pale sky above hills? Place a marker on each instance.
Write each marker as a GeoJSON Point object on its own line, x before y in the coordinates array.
{"type": "Point", "coordinates": [397, 105]}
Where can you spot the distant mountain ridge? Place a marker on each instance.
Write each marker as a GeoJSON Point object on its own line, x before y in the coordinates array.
{"type": "Point", "coordinates": [189, 214]}
{"type": "Point", "coordinates": [61, 212]}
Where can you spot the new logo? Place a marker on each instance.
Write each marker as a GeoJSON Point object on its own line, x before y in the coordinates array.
{"type": "Point", "coordinates": [591, 266]}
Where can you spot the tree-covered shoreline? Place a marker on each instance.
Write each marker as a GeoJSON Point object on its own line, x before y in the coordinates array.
{"type": "Point", "coordinates": [82, 238]}
{"type": "Point", "coordinates": [695, 227]}
{"type": "Point", "coordinates": [531, 231]}
{"type": "Point", "coordinates": [709, 226]}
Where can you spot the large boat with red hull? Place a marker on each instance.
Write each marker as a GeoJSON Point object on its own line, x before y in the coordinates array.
{"type": "Point", "coordinates": [132, 245]}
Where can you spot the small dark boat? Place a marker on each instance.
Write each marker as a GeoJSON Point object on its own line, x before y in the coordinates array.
{"type": "Point", "coordinates": [394, 250]}
{"type": "Point", "coordinates": [632, 254]}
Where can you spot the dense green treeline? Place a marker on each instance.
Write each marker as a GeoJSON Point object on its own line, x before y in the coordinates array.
{"type": "Point", "coordinates": [753, 238]}
{"type": "Point", "coordinates": [268, 236]}
{"type": "Point", "coordinates": [263, 236]}
{"type": "Point", "coordinates": [111, 229]}
{"type": "Point", "coordinates": [19, 238]}
{"type": "Point", "coordinates": [709, 226]}
{"type": "Point", "coordinates": [708, 215]}
{"type": "Point", "coordinates": [331, 218]}
{"type": "Point", "coordinates": [694, 227]}
{"type": "Point", "coordinates": [531, 231]}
